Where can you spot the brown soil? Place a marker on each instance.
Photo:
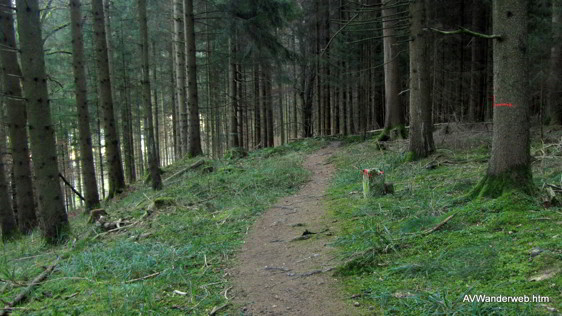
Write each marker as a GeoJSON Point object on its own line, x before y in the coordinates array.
{"type": "Point", "coordinates": [280, 271]}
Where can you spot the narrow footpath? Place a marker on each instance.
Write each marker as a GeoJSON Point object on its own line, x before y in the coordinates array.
{"type": "Point", "coordinates": [285, 266]}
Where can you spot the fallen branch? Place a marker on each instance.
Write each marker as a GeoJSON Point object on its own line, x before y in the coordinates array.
{"type": "Point", "coordinates": [427, 232]}
{"type": "Point", "coordinates": [193, 166]}
{"type": "Point", "coordinates": [114, 230]}
{"type": "Point", "coordinates": [217, 309]}
{"type": "Point", "coordinates": [23, 294]}
{"type": "Point", "coordinates": [144, 277]}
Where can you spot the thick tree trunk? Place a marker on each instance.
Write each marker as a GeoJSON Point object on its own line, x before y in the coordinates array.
{"type": "Point", "coordinates": [394, 110]}
{"type": "Point", "coordinates": [54, 221]}
{"type": "Point", "coordinates": [149, 128]}
{"type": "Point", "coordinates": [112, 151]}
{"type": "Point", "coordinates": [78, 64]}
{"type": "Point", "coordinates": [179, 53]}
{"type": "Point", "coordinates": [510, 163]}
{"type": "Point", "coordinates": [7, 219]}
{"type": "Point", "coordinates": [17, 121]}
{"type": "Point", "coordinates": [554, 102]}
{"type": "Point", "coordinates": [258, 142]}
{"type": "Point", "coordinates": [193, 98]}
{"type": "Point", "coordinates": [421, 127]}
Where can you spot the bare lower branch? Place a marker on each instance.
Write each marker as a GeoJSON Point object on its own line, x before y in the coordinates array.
{"type": "Point", "coordinates": [467, 31]}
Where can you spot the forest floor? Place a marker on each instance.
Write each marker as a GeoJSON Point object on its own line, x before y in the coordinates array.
{"type": "Point", "coordinates": [217, 239]}
{"type": "Point", "coordinates": [282, 267]}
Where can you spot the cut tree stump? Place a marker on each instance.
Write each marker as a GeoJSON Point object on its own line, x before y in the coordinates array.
{"type": "Point", "coordinates": [373, 182]}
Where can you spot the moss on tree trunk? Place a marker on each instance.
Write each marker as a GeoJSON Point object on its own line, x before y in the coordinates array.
{"type": "Point", "coordinates": [494, 185]}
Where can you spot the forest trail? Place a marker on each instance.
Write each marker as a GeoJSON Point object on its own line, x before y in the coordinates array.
{"type": "Point", "coordinates": [280, 270]}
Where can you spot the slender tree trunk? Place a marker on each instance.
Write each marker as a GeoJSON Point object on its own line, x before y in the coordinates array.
{"type": "Point", "coordinates": [193, 108]}
{"type": "Point", "coordinates": [175, 132]}
{"type": "Point", "coordinates": [7, 219]}
{"type": "Point", "coordinates": [478, 64]}
{"type": "Point", "coordinates": [156, 107]}
{"type": "Point", "coordinates": [421, 127]}
{"type": "Point", "coordinates": [269, 104]}
{"type": "Point", "coordinates": [126, 116]}
{"type": "Point", "coordinates": [115, 168]}
{"type": "Point", "coordinates": [394, 109]}
{"type": "Point", "coordinates": [509, 167]}
{"type": "Point", "coordinates": [554, 101]}
{"type": "Point", "coordinates": [234, 96]}
{"type": "Point", "coordinates": [17, 121]}
{"type": "Point", "coordinates": [258, 142]}
{"type": "Point", "coordinates": [150, 141]}
{"type": "Point", "coordinates": [54, 221]}
{"type": "Point", "coordinates": [179, 53]}
{"type": "Point", "coordinates": [87, 157]}
{"type": "Point", "coordinates": [281, 119]}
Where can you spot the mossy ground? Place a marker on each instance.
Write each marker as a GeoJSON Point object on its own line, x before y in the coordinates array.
{"type": "Point", "coordinates": [396, 268]}
{"type": "Point", "coordinates": [189, 240]}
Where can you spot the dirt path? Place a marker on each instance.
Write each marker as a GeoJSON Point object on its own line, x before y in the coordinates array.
{"type": "Point", "coordinates": [278, 275]}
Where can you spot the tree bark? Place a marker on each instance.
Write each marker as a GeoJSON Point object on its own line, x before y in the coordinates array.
{"type": "Point", "coordinates": [193, 97]}
{"type": "Point", "coordinates": [127, 117]}
{"type": "Point", "coordinates": [156, 107]}
{"type": "Point", "coordinates": [17, 122]}
{"type": "Point", "coordinates": [478, 64]}
{"type": "Point", "coordinates": [179, 53]}
{"type": "Point", "coordinates": [113, 154]}
{"type": "Point", "coordinates": [554, 101]}
{"type": "Point", "coordinates": [394, 110]}
{"type": "Point", "coordinates": [509, 167]}
{"type": "Point", "coordinates": [7, 219]}
{"type": "Point", "coordinates": [54, 221]}
{"type": "Point", "coordinates": [149, 128]}
{"type": "Point", "coordinates": [421, 127]}
{"type": "Point", "coordinates": [234, 97]}
{"type": "Point", "coordinates": [85, 136]}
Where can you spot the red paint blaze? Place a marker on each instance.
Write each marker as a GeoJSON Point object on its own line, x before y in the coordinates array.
{"type": "Point", "coordinates": [501, 104]}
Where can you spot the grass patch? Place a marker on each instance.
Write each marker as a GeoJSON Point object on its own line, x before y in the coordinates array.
{"type": "Point", "coordinates": [490, 247]}
{"type": "Point", "coordinates": [185, 238]}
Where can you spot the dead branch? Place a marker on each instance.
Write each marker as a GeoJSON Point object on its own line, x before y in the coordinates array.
{"type": "Point", "coordinates": [217, 309]}
{"type": "Point", "coordinates": [427, 232]}
{"type": "Point", "coordinates": [144, 277]}
{"type": "Point", "coordinates": [193, 166]}
{"type": "Point", "coordinates": [467, 31]}
{"type": "Point", "coordinates": [23, 294]}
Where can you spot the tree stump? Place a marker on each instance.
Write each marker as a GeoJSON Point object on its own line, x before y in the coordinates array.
{"type": "Point", "coordinates": [373, 182]}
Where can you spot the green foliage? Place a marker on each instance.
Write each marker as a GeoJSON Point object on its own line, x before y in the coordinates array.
{"type": "Point", "coordinates": [186, 246]}
{"type": "Point", "coordinates": [401, 269]}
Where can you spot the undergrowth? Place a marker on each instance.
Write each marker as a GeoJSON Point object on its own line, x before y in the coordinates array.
{"type": "Point", "coordinates": [396, 265]}
{"type": "Point", "coordinates": [174, 260]}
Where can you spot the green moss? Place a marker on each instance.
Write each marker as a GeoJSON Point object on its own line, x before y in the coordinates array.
{"type": "Point", "coordinates": [493, 186]}
{"type": "Point", "coordinates": [410, 156]}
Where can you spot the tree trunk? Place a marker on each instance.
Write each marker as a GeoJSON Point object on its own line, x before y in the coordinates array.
{"type": "Point", "coordinates": [179, 53]}
{"type": "Point", "coordinates": [149, 128]}
{"type": "Point", "coordinates": [509, 167]}
{"type": "Point", "coordinates": [115, 168]}
{"type": "Point", "coordinates": [554, 102]}
{"type": "Point", "coordinates": [127, 117]}
{"type": "Point", "coordinates": [17, 122]}
{"type": "Point", "coordinates": [234, 97]}
{"type": "Point", "coordinates": [421, 127]}
{"type": "Point", "coordinates": [54, 221]}
{"type": "Point", "coordinates": [85, 137]}
{"type": "Point", "coordinates": [394, 110]}
{"type": "Point", "coordinates": [478, 64]}
{"type": "Point", "coordinates": [268, 87]}
{"type": "Point", "coordinates": [7, 219]}
{"type": "Point", "coordinates": [156, 107]}
{"type": "Point", "coordinates": [193, 97]}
